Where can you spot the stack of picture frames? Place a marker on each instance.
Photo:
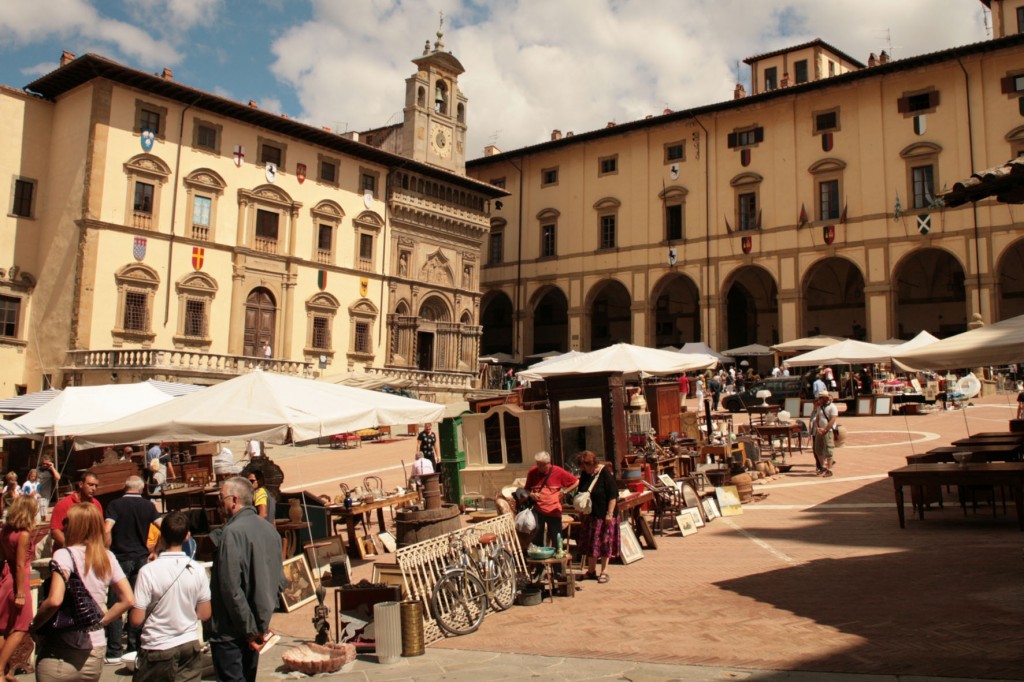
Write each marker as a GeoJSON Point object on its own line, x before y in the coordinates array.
{"type": "Point", "coordinates": [697, 512]}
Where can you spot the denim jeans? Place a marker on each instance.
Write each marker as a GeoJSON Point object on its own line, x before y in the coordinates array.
{"type": "Point", "coordinates": [116, 627]}
{"type": "Point", "coordinates": [234, 660]}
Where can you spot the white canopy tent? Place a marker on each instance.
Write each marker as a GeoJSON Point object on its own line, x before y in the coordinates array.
{"type": "Point", "coordinates": [848, 352]}
{"type": "Point", "coordinates": [370, 382]}
{"type": "Point", "coordinates": [805, 344]}
{"type": "Point", "coordinates": [79, 408]}
{"type": "Point", "coordinates": [265, 406]}
{"type": "Point", "coordinates": [625, 358]}
{"type": "Point", "coordinates": [701, 348]}
{"type": "Point", "coordinates": [922, 339]}
{"type": "Point", "coordinates": [547, 362]}
{"type": "Point", "coordinates": [749, 349]}
{"type": "Point", "coordinates": [1000, 343]}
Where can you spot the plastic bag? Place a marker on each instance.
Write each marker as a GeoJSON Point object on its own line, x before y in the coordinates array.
{"type": "Point", "coordinates": [526, 522]}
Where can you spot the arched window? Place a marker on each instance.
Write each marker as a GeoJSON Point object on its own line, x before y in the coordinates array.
{"type": "Point", "coordinates": [321, 310]}
{"type": "Point", "coordinates": [441, 97]}
{"type": "Point", "coordinates": [146, 176]}
{"type": "Point", "coordinates": [362, 315]}
{"type": "Point", "coordinates": [204, 189]}
{"type": "Point", "coordinates": [327, 217]}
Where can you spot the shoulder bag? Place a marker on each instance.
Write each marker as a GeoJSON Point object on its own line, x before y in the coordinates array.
{"type": "Point", "coordinates": [78, 611]}
{"type": "Point", "coordinates": [582, 502]}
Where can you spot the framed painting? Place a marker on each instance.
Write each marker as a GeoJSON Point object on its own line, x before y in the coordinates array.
{"type": "Point", "coordinates": [299, 588]}
{"type": "Point", "coordinates": [883, 405]}
{"type": "Point", "coordinates": [388, 542]}
{"type": "Point", "coordinates": [729, 500]}
{"type": "Point", "coordinates": [629, 546]}
{"type": "Point", "coordinates": [388, 574]}
{"type": "Point", "coordinates": [792, 405]}
{"type": "Point", "coordinates": [687, 526]}
{"type": "Point", "coordinates": [667, 481]}
{"type": "Point", "coordinates": [710, 508]}
{"type": "Point", "coordinates": [807, 408]}
{"type": "Point", "coordinates": [865, 405]}
{"type": "Point", "coordinates": [698, 518]}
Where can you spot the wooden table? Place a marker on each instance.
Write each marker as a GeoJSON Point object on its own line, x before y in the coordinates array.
{"type": "Point", "coordinates": [634, 505]}
{"type": "Point", "coordinates": [182, 498]}
{"type": "Point", "coordinates": [773, 431]}
{"type": "Point", "coordinates": [1007, 439]}
{"type": "Point", "coordinates": [987, 473]}
{"type": "Point", "coordinates": [289, 531]}
{"type": "Point", "coordinates": [762, 411]}
{"type": "Point", "coordinates": [547, 568]}
{"type": "Point", "coordinates": [357, 510]}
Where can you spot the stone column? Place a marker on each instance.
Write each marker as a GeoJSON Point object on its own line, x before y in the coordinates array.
{"type": "Point", "coordinates": [236, 322]}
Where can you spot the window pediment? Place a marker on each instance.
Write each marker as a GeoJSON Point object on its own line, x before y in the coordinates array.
{"type": "Point", "coordinates": [1015, 135]}
{"type": "Point", "coordinates": [206, 179]}
{"type": "Point", "coordinates": [919, 149]}
{"type": "Point", "coordinates": [323, 302]}
{"type": "Point", "coordinates": [607, 204]}
{"type": "Point", "coordinates": [328, 210]}
{"type": "Point", "coordinates": [138, 274]}
{"type": "Point", "coordinates": [548, 214]}
{"type": "Point", "coordinates": [746, 179]}
{"type": "Point", "coordinates": [826, 166]}
{"type": "Point", "coordinates": [437, 270]}
{"type": "Point", "coordinates": [362, 307]}
{"type": "Point", "coordinates": [498, 223]}
{"type": "Point", "coordinates": [369, 219]}
{"type": "Point", "coordinates": [677, 192]}
{"type": "Point", "coordinates": [147, 164]}
{"type": "Point", "coordinates": [197, 283]}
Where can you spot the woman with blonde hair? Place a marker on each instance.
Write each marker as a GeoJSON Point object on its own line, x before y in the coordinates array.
{"type": "Point", "coordinates": [17, 551]}
{"type": "Point", "coordinates": [11, 489]}
{"type": "Point", "coordinates": [76, 654]}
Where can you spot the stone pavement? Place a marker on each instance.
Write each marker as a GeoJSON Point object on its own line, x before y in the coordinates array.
{"type": "Point", "coordinates": [814, 581]}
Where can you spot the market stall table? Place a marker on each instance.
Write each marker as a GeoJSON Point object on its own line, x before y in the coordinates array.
{"type": "Point", "coordinates": [289, 531]}
{"type": "Point", "coordinates": [183, 497]}
{"type": "Point", "coordinates": [633, 503]}
{"type": "Point", "coordinates": [987, 473]}
{"type": "Point", "coordinates": [773, 432]}
{"type": "Point", "coordinates": [357, 510]}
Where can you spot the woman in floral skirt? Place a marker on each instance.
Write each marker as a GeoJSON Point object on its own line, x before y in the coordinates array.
{"type": "Point", "coordinates": [599, 531]}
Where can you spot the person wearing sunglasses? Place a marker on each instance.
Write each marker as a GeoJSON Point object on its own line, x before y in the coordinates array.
{"type": "Point", "coordinates": [262, 499]}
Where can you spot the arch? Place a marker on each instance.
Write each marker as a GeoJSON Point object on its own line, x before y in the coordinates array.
{"type": "Point", "coordinates": [610, 312]}
{"type": "Point", "coordinates": [402, 308]}
{"type": "Point", "coordinates": [461, 113]}
{"type": "Point", "coordinates": [930, 293]}
{"type": "Point", "coordinates": [437, 269]}
{"type": "Point", "coordinates": [1010, 280]}
{"type": "Point", "coordinates": [826, 166]}
{"type": "Point", "coordinates": [273, 194]}
{"type": "Point", "coordinates": [751, 297]}
{"type": "Point", "coordinates": [544, 214]}
{"type": "Point", "coordinates": [369, 219]}
{"type": "Point", "coordinates": [746, 179]}
{"type": "Point", "coordinates": [833, 299]}
{"type": "Point", "coordinates": [549, 313]}
{"type": "Point", "coordinates": [205, 178]}
{"type": "Point", "coordinates": [466, 318]}
{"type": "Point", "coordinates": [435, 309]}
{"type": "Point", "coordinates": [421, 97]}
{"type": "Point", "coordinates": [496, 317]}
{"type": "Point", "coordinates": [675, 311]}
{"type": "Point", "coordinates": [917, 149]}
{"type": "Point", "coordinates": [607, 204]}
{"type": "Point", "coordinates": [323, 300]}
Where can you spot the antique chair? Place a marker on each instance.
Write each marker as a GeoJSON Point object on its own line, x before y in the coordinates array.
{"type": "Point", "coordinates": [668, 501]}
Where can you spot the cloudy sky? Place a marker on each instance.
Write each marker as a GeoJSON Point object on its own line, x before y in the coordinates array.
{"type": "Point", "coordinates": [531, 65]}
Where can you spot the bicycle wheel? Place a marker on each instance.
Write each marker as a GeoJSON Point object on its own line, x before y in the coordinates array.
{"type": "Point", "coordinates": [501, 576]}
{"type": "Point", "coordinates": [459, 603]}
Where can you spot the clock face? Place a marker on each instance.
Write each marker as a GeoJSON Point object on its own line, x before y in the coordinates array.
{"type": "Point", "coordinates": [441, 141]}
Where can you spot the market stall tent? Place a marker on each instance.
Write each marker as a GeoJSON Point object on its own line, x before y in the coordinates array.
{"type": "Point", "coordinates": [79, 408]}
{"type": "Point", "coordinates": [701, 348]}
{"type": "Point", "coordinates": [920, 341]}
{"type": "Point", "coordinates": [28, 402]}
{"type": "Point", "coordinates": [622, 357]}
{"type": "Point", "coordinates": [1000, 343]}
{"type": "Point", "coordinates": [805, 344]}
{"type": "Point", "coordinates": [848, 352]}
{"type": "Point", "coordinates": [264, 406]}
{"type": "Point", "coordinates": [750, 349]}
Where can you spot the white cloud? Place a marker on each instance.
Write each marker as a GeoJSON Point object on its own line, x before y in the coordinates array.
{"type": "Point", "coordinates": [76, 22]}
{"type": "Point", "coordinates": [174, 16]}
{"type": "Point", "coordinates": [536, 65]}
{"type": "Point", "coordinates": [40, 69]}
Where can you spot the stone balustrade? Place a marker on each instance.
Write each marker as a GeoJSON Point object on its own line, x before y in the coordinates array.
{"type": "Point", "coordinates": [180, 363]}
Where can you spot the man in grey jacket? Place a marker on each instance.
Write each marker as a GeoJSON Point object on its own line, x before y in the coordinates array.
{"type": "Point", "coordinates": [247, 576]}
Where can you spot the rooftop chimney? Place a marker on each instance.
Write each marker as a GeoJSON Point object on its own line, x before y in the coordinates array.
{"type": "Point", "coordinates": [66, 58]}
{"type": "Point", "coordinates": [167, 75]}
{"type": "Point", "coordinates": [491, 150]}
{"type": "Point", "coordinates": [252, 103]}
{"type": "Point", "coordinates": [611, 124]}
{"type": "Point", "coordinates": [740, 92]}
{"type": "Point", "coordinates": [872, 60]}
{"type": "Point", "coordinates": [327, 128]}
{"type": "Point", "coordinates": [666, 112]}
{"type": "Point", "coordinates": [570, 134]}
{"type": "Point", "coordinates": [883, 58]}
{"type": "Point", "coordinates": [556, 134]}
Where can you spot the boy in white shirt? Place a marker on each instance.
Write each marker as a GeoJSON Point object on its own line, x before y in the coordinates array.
{"type": "Point", "coordinates": [172, 594]}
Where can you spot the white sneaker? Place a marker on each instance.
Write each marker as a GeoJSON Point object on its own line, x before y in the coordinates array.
{"type": "Point", "coordinates": [112, 661]}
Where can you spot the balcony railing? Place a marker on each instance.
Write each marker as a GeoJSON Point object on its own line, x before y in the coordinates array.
{"type": "Point", "coordinates": [180, 363]}
{"type": "Point", "coordinates": [201, 232]}
{"type": "Point", "coordinates": [365, 264]}
{"type": "Point", "coordinates": [142, 221]}
{"type": "Point", "coordinates": [265, 245]}
{"type": "Point", "coordinates": [324, 256]}
{"type": "Point", "coordinates": [427, 381]}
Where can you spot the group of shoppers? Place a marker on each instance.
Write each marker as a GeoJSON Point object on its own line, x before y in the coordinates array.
{"type": "Point", "coordinates": [165, 593]}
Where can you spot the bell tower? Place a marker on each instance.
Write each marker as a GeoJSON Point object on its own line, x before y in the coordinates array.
{"type": "Point", "coordinates": [434, 125]}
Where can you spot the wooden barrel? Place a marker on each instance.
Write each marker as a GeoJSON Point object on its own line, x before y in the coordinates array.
{"type": "Point", "coordinates": [412, 526]}
{"type": "Point", "coordinates": [431, 491]}
{"type": "Point", "coordinates": [744, 486]}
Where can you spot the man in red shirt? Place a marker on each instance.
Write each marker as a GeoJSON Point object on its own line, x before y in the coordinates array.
{"type": "Point", "coordinates": [684, 388]}
{"type": "Point", "coordinates": [84, 490]}
{"type": "Point", "coordinates": [546, 483]}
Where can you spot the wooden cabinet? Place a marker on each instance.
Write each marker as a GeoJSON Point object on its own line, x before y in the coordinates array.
{"type": "Point", "coordinates": [663, 404]}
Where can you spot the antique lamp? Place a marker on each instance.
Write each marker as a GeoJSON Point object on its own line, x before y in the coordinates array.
{"type": "Point", "coordinates": [763, 394]}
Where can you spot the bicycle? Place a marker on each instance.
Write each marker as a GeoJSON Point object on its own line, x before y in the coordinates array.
{"type": "Point", "coordinates": [481, 576]}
